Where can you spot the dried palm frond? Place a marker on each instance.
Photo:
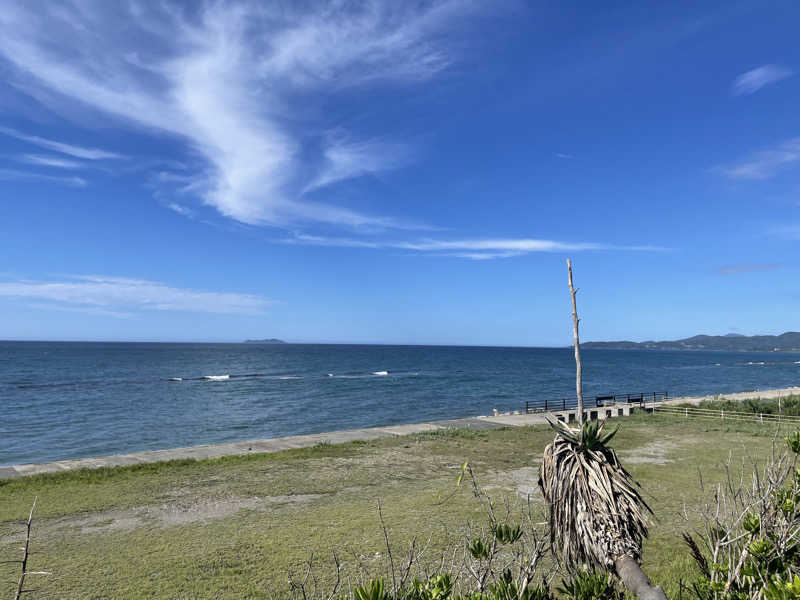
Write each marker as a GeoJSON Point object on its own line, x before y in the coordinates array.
{"type": "Point", "coordinates": [594, 505]}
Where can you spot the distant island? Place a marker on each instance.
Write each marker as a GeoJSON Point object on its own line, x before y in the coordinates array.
{"type": "Point", "coordinates": [269, 341]}
{"type": "Point", "coordinates": [786, 342]}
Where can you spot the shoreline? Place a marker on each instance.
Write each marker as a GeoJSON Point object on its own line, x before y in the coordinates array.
{"type": "Point", "coordinates": [277, 444]}
{"type": "Point", "coordinates": [767, 394]}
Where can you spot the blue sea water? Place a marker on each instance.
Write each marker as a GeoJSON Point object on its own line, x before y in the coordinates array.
{"type": "Point", "coordinates": [70, 400]}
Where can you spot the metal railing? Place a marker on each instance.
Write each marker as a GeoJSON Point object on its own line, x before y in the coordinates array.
{"type": "Point", "coordinates": [725, 415]}
{"type": "Point", "coordinates": [548, 405]}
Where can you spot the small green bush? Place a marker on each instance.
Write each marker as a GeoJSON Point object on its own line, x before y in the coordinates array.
{"type": "Point", "coordinates": [591, 585]}
{"type": "Point", "coordinates": [754, 535]}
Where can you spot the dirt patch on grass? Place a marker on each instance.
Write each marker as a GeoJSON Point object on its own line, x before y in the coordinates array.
{"type": "Point", "coordinates": [160, 516]}
{"type": "Point", "coordinates": [526, 481]}
{"type": "Point", "coordinates": [386, 468]}
{"type": "Point", "coordinates": [211, 510]}
{"type": "Point", "coordinates": [655, 453]}
{"type": "Point", "coordinates": [523, 481]}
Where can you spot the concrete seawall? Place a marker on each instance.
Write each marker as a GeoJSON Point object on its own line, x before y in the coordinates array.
{"type": "Point", "coordinates": [338, 437]}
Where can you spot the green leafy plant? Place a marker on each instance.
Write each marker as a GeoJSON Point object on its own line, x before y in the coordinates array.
{"type": "Point", "coordinates": [505, 534]}
{"type": "Point", "coordinates": [751, 523]}
{"type": "Point", "coordinates": [591, 585]}
{"type": "Point", "coordinates": [505, 588]}
{"type": "Point", "coordinates": [439, 587]}
{"type": "Point", "coordinates": [793, 441]}
{"type": "Point", "coordinates": [479, 550]}
{"type": "Point", "coordinates": [374, 590]}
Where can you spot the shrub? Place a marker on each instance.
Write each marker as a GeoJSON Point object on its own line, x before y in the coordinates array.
{"type": "Point", "coordinates": [751, 541]}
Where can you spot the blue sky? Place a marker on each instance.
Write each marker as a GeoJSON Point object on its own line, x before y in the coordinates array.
{"type": "Point", "coordinates": [390, 172]}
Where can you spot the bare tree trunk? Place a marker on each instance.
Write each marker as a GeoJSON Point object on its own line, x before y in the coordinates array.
{"type": "Point", "coordinates": [25, 555]}
{"type": "Point", "coordinates": [575, 320]}
{"type": "Point", "coordinates": [636, 581]}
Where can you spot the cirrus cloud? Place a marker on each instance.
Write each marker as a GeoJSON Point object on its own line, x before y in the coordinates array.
{"type": "Point", "coordinates": [17, 175]}
{"type": "Point", "coordinates": [70, 149]}
{"type": "Point", "coordinates": [753, 80]}
{"type": "Point", "coordinates": [473, 249]}
{"type": "Point", "coordinates": [117, 296]}
{"type": "Point", "coordinates": [765, 163]}
{"type": "Point", "coordinates": [43, 160]}
{"type": "Point", "coordinates": [241, 83]}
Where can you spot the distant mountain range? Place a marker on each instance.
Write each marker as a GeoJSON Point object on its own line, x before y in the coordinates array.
{"type": "Point", "coordinates": [269, 341]}
{"type": "Point", "coordinates": [786, 342]}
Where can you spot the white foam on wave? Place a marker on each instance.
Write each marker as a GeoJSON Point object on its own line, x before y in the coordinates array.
{"type": "Point", "coordinates": [290, 377]}
{"type": "Point", "coordinates": [380, 372]}
{"type": "Point", "coordinates": [756, 363]}
{"type": "Point", "coordinates": [216, 377]}
{"type": "Point", "coordinates": [175, 379]}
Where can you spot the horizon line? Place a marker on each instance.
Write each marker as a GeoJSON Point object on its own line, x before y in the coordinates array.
{"type": "Point", "coordinates": [281, 343]}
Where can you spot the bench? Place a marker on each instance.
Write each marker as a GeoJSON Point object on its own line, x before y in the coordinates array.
{"type": "Point", "coordinates": [603, 400]}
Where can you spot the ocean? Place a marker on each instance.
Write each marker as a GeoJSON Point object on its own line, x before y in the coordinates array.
{"type": "Point", "coordinates": [62, 400]}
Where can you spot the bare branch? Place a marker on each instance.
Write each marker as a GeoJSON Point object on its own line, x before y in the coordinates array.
{"type": "Point", "coordinates": [25, 554]}
{"type": "Point", "coordinates": [338, 577]}
{"type": "Point", "coordinates": [388, 547]}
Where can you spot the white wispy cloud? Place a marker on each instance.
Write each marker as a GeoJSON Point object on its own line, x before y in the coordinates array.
{"type": "Point", "coordinates": [483, 255]}
{"type": "Point", "coordinates": [16, 175]}
{"type": "Point", "coordinates": [751, 81]}
{"type": "Point", "coordinates": [70, 149]}
{"type": "Point", "coordinates": [121, 295]}
{"type": "Point", "coordinates": [766, 163]}
{"type": "Point", "coordinates": [345, 160]}
{"type": "Point", "coordinates": [306, 239]}
{"type": "Point", "coordinates": [500, 245]}
{"type": "Point", "coordinates": [473, 249]}
{"type": "Point", "coordinates": [86, 310]}
{"type": "Point", "coordinates": [180, 209]}
{"type": "Point", "coordinates": [51, 161]}
{"type": "Point", "coordinates": [241, 83]}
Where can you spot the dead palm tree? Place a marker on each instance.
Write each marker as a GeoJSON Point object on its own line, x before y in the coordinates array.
{"type": "Point", "coordinates": [596, 516]}
{"type": "Point", "coordinates": [596, 512]}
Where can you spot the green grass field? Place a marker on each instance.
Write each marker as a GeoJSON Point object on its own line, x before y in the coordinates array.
{"type": "Point", "coordinates": [234, 527]}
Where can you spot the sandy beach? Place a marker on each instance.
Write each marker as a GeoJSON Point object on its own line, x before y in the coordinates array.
{"type": "Point", "coordinates": [768, 394]}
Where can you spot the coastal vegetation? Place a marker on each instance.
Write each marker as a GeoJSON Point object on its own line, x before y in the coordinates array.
{"type": "Point", "coordinates": [788, 406]}
{"type": "Point", "coordinates": [235, 527]}
{"type": "Point", "coordinates": [750, 546]}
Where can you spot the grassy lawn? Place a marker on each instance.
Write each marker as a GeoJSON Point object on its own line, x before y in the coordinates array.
{"type": "Point", "coordinates": [234, 527]}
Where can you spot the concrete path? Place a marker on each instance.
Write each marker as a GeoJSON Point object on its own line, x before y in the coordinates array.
{"type": "Point", "coordinates": [338, 437]}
